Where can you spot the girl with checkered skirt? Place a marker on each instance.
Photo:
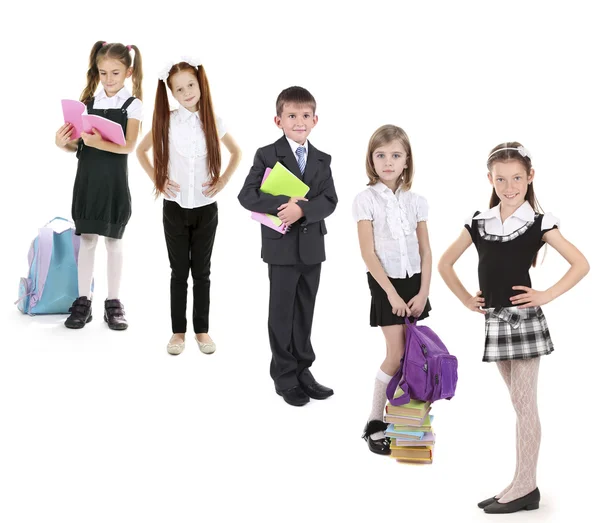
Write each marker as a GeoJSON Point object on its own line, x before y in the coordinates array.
{"type": "Point", "coordinates": [508, 237]}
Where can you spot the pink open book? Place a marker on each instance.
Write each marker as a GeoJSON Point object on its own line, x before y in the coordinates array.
{"type": "Point", "coordinates": [73, 114]}
{"type": "Point", "coordinates": [268, 219]}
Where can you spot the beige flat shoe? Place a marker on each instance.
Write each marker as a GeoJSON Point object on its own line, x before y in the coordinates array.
{"type": "Point", "coordinates": [176, 347]}
{"type": "Point", "coordinates": [206, 348]}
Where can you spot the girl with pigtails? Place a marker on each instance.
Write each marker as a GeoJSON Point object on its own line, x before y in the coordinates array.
{"type": "Point", "coordinates": [186, 171]}
{"type": "Point", "coordinates": [101, 199]}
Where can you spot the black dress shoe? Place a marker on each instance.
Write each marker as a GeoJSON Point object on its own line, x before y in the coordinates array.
{"type": "Point", "coordinates": [378, 446]}
{"type": "Point", "coordinates": [486, 502]}
{"type": "Point", "coordinates": [114, 315]}
{"type": "Point", "coordinates": [294, 396]}
{"type": "Point", "coordinates": [81, 313]}
{"type": "Point", "coordinates": [530, 501]}
{"type": "Point", "coordinates": [316, 391]}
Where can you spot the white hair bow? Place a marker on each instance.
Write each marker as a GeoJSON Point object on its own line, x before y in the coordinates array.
{"type": "Point", "coordinates": [164, 72]}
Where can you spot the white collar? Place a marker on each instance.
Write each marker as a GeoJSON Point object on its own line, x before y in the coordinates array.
{"type": "Point", "coordinates": [524, 213]}
{"type": "Point", "coordinates": [381, 188]}
{"type": "Point", "coordinates": [184, 114]}
{"type": "Point", "coordinates": [123, 94]}
{"type": "Point", "coordinates": [294, 145]}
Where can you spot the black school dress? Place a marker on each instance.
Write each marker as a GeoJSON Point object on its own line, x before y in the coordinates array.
{"type": "Point", "coordinates": [504, 261]}
{"type": "Point", "coordinates": [101, 198]}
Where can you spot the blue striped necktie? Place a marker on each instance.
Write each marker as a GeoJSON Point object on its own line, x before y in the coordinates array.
{"type": "Point", "coordinates": [301, 151]}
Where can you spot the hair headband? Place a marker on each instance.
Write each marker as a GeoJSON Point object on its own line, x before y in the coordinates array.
{"type": "Point", "coordinates": [164, 73]}
{"type": "Point", "coordinates": [522, 151]}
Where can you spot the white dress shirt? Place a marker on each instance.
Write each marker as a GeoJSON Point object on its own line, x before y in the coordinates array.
{"type": "Point", "coordinates": [395, 217]}
{"type": "Point", "coordinates": [188, 157]}
{"type": "Point", "coordinates": [135, 111]}
{"type": "Point", "coordinates": [525, 213]}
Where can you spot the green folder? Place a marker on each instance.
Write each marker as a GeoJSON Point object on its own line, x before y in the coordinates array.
{"type": "Point", "coordinates": [282, 182]}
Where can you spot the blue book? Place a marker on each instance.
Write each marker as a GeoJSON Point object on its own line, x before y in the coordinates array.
{"type": "Point", "coordinates": [403, 434]}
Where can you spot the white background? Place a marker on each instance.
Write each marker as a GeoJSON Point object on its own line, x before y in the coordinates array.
{"type": "Point", "coordinates": [102, 426]}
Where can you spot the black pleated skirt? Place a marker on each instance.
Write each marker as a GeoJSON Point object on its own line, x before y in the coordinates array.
{"type": "Point", "coordinates": [381, 310]}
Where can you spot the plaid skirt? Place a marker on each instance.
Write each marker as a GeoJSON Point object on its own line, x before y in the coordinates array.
{"type": "Point", "coordinates": [516, 334]}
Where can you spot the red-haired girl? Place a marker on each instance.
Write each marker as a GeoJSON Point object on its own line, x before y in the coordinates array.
{"type": "Point", "coordinates": [187, 173]}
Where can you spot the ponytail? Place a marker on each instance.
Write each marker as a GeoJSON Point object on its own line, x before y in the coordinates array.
{"type": "Point", "coordinates": [93, 76]}
{"type": "Point", "coordinates": [160, 138]}
{"type": "Point", "coordinates": [137, 76]}
{"type": "Point", "coordinates": [209, 124]}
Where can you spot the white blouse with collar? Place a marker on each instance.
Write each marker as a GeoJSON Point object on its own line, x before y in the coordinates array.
{"type": "Point", "coordinates": [395, 217]}
{"type": "Point", "coordinates": [525, 213]}
{"type": "Point", "coordinates": [188, 157]}
{"type": "Point", "coordinates": [135, 111]}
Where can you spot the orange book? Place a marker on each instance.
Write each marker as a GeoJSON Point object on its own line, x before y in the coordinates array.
{"type": "Point", "coordinates": [424, 452]}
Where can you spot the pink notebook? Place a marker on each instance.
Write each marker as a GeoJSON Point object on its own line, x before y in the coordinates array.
{"type": "Point", "coordinates": [73, 114]}
{"type": "Point", "coordinates": [268, 219]}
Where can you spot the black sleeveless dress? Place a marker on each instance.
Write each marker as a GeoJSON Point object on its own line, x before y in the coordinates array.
{"type": "Point", "coordinates": [101, 198]}
{"type": "Point", "coordinates": [504, 261]}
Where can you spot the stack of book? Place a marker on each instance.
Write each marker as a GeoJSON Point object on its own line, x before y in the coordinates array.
{"type": "Point", "coordinates": [410, 431]}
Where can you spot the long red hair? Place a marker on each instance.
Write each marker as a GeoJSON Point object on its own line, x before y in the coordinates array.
{"type": "Point", "coordinates": [118, 52]}
{"type": "Point", "coordinates": [160, 127]}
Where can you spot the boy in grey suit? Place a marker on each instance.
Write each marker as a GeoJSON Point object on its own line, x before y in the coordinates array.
{"type": "Point", "coordinates": [294, 259]}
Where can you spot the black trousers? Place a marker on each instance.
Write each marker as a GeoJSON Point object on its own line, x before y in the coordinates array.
{"type": "Point", "coordinates": [190, 236]}
{"type": "Point", "coordinates": [293, 291]}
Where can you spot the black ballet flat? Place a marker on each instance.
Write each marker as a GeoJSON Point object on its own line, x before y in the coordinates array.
{"type": "Point", "coordinates": [530, 501]}
{"type": "Point", "coordinates": [378, 446]}
{"type": "Point", "coordinates": [486, 502]}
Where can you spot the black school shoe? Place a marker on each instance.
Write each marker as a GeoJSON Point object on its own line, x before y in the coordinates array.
{"type": "Point", "coordinates": [486, 502]}
{"type": "Point", "coordinates": [294, 396]}
{"type": "Point", "coordinates": [378, 446]}
{"type": "Point", "coordinates": [114, 315]}
{"type": "Point", "coordinates": [81, 313]}
{"type": "Point", "coordinates": [529, 501]}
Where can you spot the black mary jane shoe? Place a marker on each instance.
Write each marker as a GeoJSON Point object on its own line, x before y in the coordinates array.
{"type": "Point", "coordinates": [486, 502]}
{"type": "Point", "coordinates": [378, 446]}
{"type": "Point", "coordinates": [81, 313]}
{"type": "Point", "coordinates": [529, 501]}
{"type": "Point", "coordinates": [114, 315]}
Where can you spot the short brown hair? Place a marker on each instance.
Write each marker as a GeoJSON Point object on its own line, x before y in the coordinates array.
{"type": "Point", "coordinates": [295, 95]}
{"type": "Point", "coordinates": [382, 136]}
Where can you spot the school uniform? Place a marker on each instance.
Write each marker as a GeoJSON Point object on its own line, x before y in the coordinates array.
{"type": "Point", "coordinates": [394, 216]}
{"type": "Point", "coordinates": [101, 198]}
{"type": "Point", "coordinates": [190, 218]}
{"type": "Point", "coordinates": [294, 259]}
{"type": "Point", "coordinates": [506, 252]}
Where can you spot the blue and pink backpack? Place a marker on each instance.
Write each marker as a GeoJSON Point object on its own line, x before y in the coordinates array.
{"type": "Point", "coordinates": [51, 285]}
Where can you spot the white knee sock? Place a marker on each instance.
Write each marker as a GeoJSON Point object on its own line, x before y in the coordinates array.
{"type": "Point", "coordinates": [379, 400]}
{"type": "Point", "coordinates": [114, 265]}
{"type": "Point", "coordinates": [85, 263]}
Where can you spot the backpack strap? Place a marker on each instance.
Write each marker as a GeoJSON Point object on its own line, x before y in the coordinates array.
{"type": "Point", "coordinates": [57, 218]}
{"type": "Point", "coordinates": [44, 255]}
{"type": "Point", "coordinates": [398, 380]}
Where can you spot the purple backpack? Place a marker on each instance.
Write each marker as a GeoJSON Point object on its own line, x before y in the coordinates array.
{"type": "Point", "coordinates": [427, 371]}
